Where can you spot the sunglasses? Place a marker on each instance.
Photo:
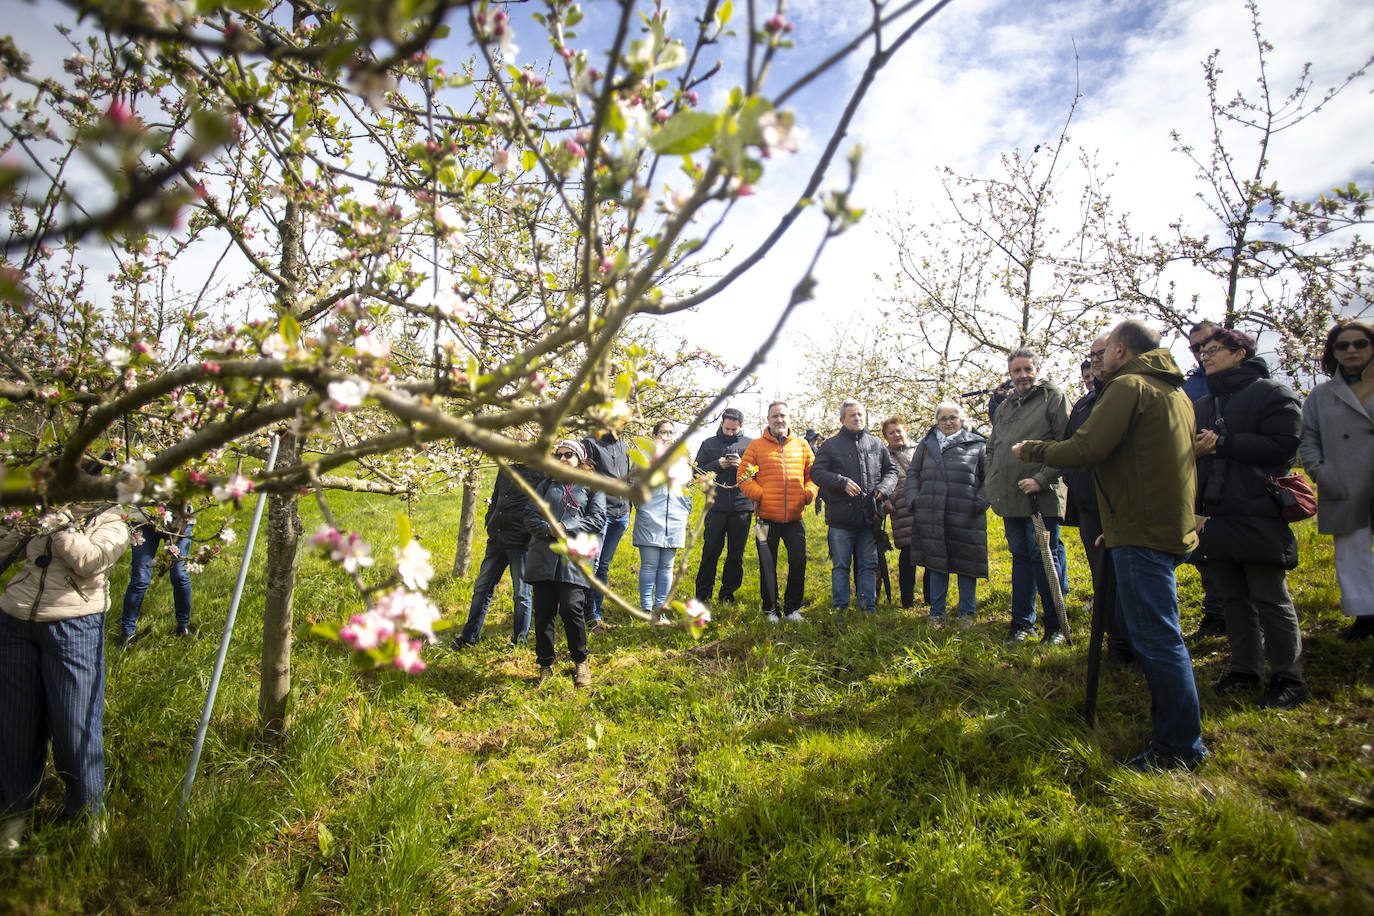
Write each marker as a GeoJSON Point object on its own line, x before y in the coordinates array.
{"type": "Point", "coordinates": [564, 456]}
{"type": "Point", "coordinates": [1341, 346]}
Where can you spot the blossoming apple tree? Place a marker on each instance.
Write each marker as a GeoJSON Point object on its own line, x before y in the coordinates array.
{"type": "Point", "coordinates": [386, 232]}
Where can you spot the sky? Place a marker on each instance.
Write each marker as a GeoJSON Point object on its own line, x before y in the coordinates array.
{"type": "Point", "coordinates": [985, 77]}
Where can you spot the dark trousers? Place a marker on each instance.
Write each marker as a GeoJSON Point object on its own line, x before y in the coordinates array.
{"type": "Point", "coordinates": [791, 535]}
{"type": "Point", "coordinates": [906, 576]}
{"type": "Point", "coordinates": [551, 601]}
{"type": "Point", "coordinates": [722, 528]}
{"type": "Point", "coordinates": [143, 556]}
{"type": "Point", "coordinates": [52, 688]}
{"type": "Point", "coordinates": [1104, 583]}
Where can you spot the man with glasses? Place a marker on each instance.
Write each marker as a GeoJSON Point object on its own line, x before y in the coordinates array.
{"type": "Point", "coordinates": [728, 520]}
{"type": "Point", "coordinates": [1195, 386]}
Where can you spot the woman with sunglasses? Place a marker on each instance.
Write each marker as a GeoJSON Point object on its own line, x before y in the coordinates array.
{"type": "Point", "coordinates": [558, 587]}
{"type": "Point", "coordinates": [1247, 433]}
{"type": "Point", "coordinates": [1338, 454]}
{"type": "Point", "coordinates": [660, 529]}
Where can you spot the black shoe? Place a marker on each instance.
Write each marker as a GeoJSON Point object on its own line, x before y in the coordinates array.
{"type": "Point", "coordinates": [1236, 682]}
{"type": "Point", "coordinates": [1119, 660]}
{"type": "Point", "coordinates": [1211, 626]}
{"type": "Point", "coordinates": [1054, 638]}
{"type": "Point", "coordinates": [183, 631]}
{"type": "Point", "coordinates": [1283, 695]}
{"type": "Point", "coordinates": [1362, 628]}
{"type": "Point", "coordinates": [458, 645]}
{"type": "Point", "coordinates": [1149, 761]}
{"type": "Point", "coordinates": [1017, 635]}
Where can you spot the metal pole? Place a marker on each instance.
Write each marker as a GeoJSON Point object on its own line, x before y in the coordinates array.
{"type": "Point", "coordinates": [223, 652]}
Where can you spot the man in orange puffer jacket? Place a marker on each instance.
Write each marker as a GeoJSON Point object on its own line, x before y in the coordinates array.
{"type": "Point", "coordinates": [775, 472]}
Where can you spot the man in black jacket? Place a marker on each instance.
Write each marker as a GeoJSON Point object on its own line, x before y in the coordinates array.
{"type": "Point", "coordinates": [507, 541]}
{"type": "Point", "coordinates": [728, 520]}
{"type": "Point", "coordinates": [855, 473]}
{"type": "Point", "coordinates": [1081, 510]}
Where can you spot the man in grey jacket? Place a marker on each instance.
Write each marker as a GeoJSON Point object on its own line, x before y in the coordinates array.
{"type": "Point", "coordinates": [1033, 410]}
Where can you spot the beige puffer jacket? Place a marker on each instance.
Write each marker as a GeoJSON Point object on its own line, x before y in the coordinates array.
{"type": "Point", "coordinates": [73, 582]}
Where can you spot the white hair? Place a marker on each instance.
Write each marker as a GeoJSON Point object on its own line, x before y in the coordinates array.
{"type": "Point", "coordinates": [949, 405]}
{"type": "Point", "coordinates": [848, 404]}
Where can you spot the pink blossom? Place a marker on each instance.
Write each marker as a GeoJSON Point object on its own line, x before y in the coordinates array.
{"type": "Point", "coordinates": [367, 631]}
{"type": "Point", "coordinates": [698, 615]}
{"type": "Point", "coordinates": [413, 566]}
{"type": "Point", "coordinates": [408, 657]}
{"type": "Point", "coordinates": [235, 487]}
{"type": "Point", "coordinates": [501, 160]}
{"type": "Point", "coordinates": [409, 610]}
{"type": "Point", "coordinates": [275, 347]}
{"type": "Point", "coordinates": [352, 552]}
{"type": "Point", "coordinates": [371, 346]}
{"type": "Point", "coordinates": [347, 394]}
{"type": "Point", "coordinates": [584, 546]}
{"type": "Point", "coordinates": [325, 536]}
{"type": "Point", "coordinates": [573, 147]}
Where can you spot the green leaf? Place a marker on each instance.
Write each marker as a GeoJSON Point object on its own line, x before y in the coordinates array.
{"type": "Point", "coordinates": [329, 631]}
{"type": "Point", "coordinates": [290, 329]}
{"type": "Point", "coordinates": [324, 838]}
{"type": "Point", "coordinates": [403, 531]}
{"type": "Point", "coordinates": [685, 132]}
{"type": "Point", "coordinates": [724, 13]}
{"type": "Point", "coordinates": [529, 159]}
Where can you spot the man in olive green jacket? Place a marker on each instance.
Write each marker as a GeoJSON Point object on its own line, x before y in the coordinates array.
{"type": "Point", "coordinates": [1139, 443]}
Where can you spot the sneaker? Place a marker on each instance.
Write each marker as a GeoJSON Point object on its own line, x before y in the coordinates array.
{"type": "Point", "coordinates": [1283, 695]}
{"type": "Point", "coordinates": [582, 675]}
{"type": "Point", "coordinates": [1236, 682]}
{"type": "Point", "coordinates": [1362, 628]}
{"type": "Point", "coordinates": [1149, 761]}
{"type": "Point", "coordinates": [935, 621]}
{"type": "Point", "coordinates": [664, 621]}
{"type": "Point", "coordinates": [12, 834]}
{"type": "Point", "coordinates": [1212, 625]}
{"type": "Point", "coordinates": [1017, 635]}
{"type": "Point", "coordinates": [794, 617]}
{"type": "Point", "coordinates": [1054, 638]}
{"type": "Point", "coordinates": [965, 622]}
{"type": "Point", "coordinates": [183, 631]}
{"type": "Point", "coordinates": [772, 618]}
{"type": "Point", "coordinates": [545, 672]}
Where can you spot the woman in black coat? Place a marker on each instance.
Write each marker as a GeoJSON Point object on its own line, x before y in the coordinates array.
{"type": "Point", "coordinates": [1247, 432]}
{"type": "Point", "coordinates": [945, 493]}
{"type": "Point", "coordinates": [558, 588]}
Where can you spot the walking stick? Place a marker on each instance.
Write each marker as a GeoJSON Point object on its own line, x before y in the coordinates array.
{"type": "Point", "coordinates": [768, 574]}
{"type": "Point", "coordinates": [1094, 658]}
{"type": "Point", "coordinates": [1047, 560]}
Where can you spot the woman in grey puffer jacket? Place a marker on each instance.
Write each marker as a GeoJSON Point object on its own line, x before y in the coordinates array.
{"type": "Point", "coordinates": [52, 660]}
{"type": "Point", "coordinates": [946, 493]}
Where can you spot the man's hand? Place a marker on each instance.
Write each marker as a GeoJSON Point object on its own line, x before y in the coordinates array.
{"type": "Point", "coordinates": [1016, 449]}
{"type": "Point", "coordinates": [853, 489]}
{"type": "Point", "coordinates": [1205, 443]}
{"type": "Point", "coordinates": [1028, 485]}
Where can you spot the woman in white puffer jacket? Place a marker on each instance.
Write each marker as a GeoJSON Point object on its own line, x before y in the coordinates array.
{"type": "Point", "coordinates": [52, 660]}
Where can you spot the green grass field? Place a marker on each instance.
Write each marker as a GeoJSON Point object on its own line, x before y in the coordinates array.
{"type": "Point", "coordinates": [883, 767]}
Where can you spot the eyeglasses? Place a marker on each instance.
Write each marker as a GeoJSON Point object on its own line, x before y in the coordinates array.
{"type": "Point", "coordinates": [1213, 351]}
{"type": "Point", "coordinates": [1360, 343]}
{"type": "Point", "coordinates": [564, 456]}
{"type": "Point", "coordinates": [1097, 354]}
{"type": "Point", "coordinates": [1196, 348]}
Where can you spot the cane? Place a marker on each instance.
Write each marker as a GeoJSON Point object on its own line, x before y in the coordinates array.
{"type": "Point", "coordinates": [1042, 535]}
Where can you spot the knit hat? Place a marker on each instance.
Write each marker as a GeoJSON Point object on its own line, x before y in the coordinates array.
{"type": "Point", "coordinates": [572, 445]}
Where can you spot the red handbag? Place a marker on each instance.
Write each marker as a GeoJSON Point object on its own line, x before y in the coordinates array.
{"type": "Point", "coordinates": [1292, 493]}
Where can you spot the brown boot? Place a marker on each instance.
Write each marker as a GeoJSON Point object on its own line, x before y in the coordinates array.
{"type": "Point", "coordinates": [545, 672]}
{"type": "Point", "coordinates": [582, 675]}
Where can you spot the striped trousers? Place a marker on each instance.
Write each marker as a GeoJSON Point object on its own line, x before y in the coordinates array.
{"type": "Point", "coordinates": [52, 688]}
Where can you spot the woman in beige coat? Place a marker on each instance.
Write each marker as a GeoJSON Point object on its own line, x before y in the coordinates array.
{"type": "Point", "coordinates": [52, 660]}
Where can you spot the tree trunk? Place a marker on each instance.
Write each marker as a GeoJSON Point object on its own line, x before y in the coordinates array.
{"type": "Point", "coordinates": [462, 557]}
{"type": "Point", "coordinates": [283, 538]}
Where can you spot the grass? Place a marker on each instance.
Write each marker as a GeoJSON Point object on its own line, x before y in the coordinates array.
{"type": "Point", "coordinates": [882, 767]}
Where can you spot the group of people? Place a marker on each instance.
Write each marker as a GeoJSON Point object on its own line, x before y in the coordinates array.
{"type": "Point", "coordinates": [1154, 467]}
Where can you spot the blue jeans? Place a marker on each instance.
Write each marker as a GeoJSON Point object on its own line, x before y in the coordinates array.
{"type": "Point", "coordinates": [939, 591]}
{"type": "Point", "coordinates": [1028, 571]}
{"type": "Point", "coordinates": [846, 546]}
{"type": "Point", "coordinates": [52, 688]}
{"type": "Point", "coordinates": [1147, 602]}
{"type": "Point", "coordinates": [495, 561]}
{"type": "Point", "coordinates": [655, 575]}
{"type": "Point", "coordinates": [141, 576]}
{"type": "Point", "coordinates": [611, 534]}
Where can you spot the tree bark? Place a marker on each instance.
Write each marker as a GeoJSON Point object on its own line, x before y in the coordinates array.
{"type": "Point", "coordinates": [462, 557]}
{"type": "Point", "coordinates": [283, 539]}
